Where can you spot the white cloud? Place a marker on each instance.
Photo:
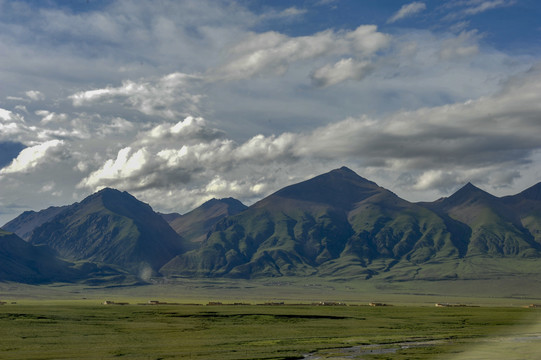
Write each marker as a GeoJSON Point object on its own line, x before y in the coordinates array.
{"type": "Point", "coordinates": [12, 126]}
{"type": "Point", "coordinates": [171, 154]}
{"type": "Point", "coordinates": [9, 116]}
{"type": "Point", "coordinates": [286, 13]}
{"type": "Point", "coordinates": [463, 45]}
{"type": "Point", "coordinates": [116, 125]}
{"type": "Point", "coordinates": [35, 95]}
{"type": "Point", "coordinates": [486, 135]}
{"type": "Point", "coordinates": [16, 98]}
{"type": "Point", "coordinates": [172, 139]}
{"type": "Point", "coordinates": [273, 52]}
{"type": "Point", "coordinates": [407, 11]}
{"type": "Point", "coordinates": [482, 6]}
{"type": "Point", "coordinates": [342, 70]}
{"type": "Point", "coordinates": [293, 11]}
{"type": "Point", "coordinates": [189, 129]}
{"type": "Point", "coordinates": [48, 116]}
{"type": "Point", "coordinates": [167, 97]}
{"type": "Point", "coordinates": [31, 157]}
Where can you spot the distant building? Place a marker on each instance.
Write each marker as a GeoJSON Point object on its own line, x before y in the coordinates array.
{"type": "Point", "coordinates": [377, 304]}
{"type": "Point", "coordinates": [329, 303]}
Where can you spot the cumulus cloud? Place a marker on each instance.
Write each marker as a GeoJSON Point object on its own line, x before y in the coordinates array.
{"type": "Point", "coordinates": [167, 97]}
{"type": "Point", "coordinates": [272, 52]}
{"type": "Point", "coordinates": [8, 151]}
{"type": "Point", "coordinates": [484, 134]}
{"type": "Point", "coordinates": [156, 135]}
{"type": "Point", "coordinates": [12, 126]}
{"type": "Point", "coordinates": [9, 116]}
{"type": "Point", "coordinates": [31, 157]}
{"type": "Point", "coordinates": [170, 154]}
{"type": "Point", "coordinates": [189, 129]}
{"type": "Point", "coordinates": [342, 70]}
{"type": "Point", "coordinates": [116, 125]}
{"type": "Point", "coordinates": [35, 95]}
{"type": "Point", "coordinates": [407, 11]}
{"type": "Point", "coordinates": [48, 116]}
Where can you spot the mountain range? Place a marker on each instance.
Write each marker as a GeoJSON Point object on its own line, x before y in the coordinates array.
{"type": "Point", "coordinates": [336, 224]}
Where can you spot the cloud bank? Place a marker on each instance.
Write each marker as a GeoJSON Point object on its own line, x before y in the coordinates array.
{"type": "Point", "coordinates": [178, 102]}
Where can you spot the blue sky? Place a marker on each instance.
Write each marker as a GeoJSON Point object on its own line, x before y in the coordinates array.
{"type": "Point", "coordinates": [179, 102]}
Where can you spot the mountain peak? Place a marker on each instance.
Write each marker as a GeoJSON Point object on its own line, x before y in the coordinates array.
{"type": "Point", "coordinates": [110, 192]}
{"type": "Point", "coordinates": [467, 194]}
{"type": "Point", "coordinates": [229, 202]}
{"type": "Point", "coordinates": [348, 173]}
{"type": "Point", "coordinates": [195, 224]}
{"type": "Point", "coordinates": [113, 227]}
{"type": "Point", "coordinates": [469, 187]}
{"type": "Point", "coordinates": [340, 188]}
{"type": "Point", "coordinates": [531, 193]}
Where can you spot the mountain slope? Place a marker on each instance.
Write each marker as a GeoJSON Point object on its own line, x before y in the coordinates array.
{"type": "Point", "coordinates": [23, 262]}
{"type": "Point", "coordinates": [527, 208]}
{"type": "Point", "coordinates": [111, 227]}
{"type": "Point", "coordinates": [194, 225]}
{"type": "Point", "coordinates": [335, 223]}
{"type": "Point", "coordinates": [494, 227]}
{"type": "Point", "coordinates": [24, 224]}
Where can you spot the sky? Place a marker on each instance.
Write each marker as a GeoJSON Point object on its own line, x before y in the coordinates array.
{"type": "Point", "coordinates": [178, 102]}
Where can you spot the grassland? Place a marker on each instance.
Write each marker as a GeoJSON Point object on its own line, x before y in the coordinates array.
{"type": "Point", "coordinates": [86, 330]}
{"type": "Point", "coordinates": [67, 321]}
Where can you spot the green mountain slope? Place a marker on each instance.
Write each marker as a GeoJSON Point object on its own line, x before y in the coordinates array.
{"type": "Point", "coordinates": [335, 224]}
{"type": "Point", "coordinates": [195, 225]}
{"type": "Point", "coordinates": [527, 209]}
{"type": "Point", "coordinates": [111, 227]}
{"type": "Point", "coordinates": [495, 227]}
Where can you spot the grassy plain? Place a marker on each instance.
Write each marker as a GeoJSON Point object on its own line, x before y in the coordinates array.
{"type": "Point", "coordinates": [85, 330]}
{"type": "Point", "coordinates": [67, 321]}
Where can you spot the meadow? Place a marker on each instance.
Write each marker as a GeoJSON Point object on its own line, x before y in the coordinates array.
{"type": "Point", "coordinates": [88, 330]}
{"type": "Point", "coordinates": [69, 321]}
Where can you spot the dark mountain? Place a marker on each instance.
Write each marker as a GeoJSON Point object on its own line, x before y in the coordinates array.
{"type": "Point", "coordinates": [111, 227]}
{"type": "Point", "coordinates": [170, 217]}
{"type": "Point", "coordinates": [334, 224]}
{"type": "Point", "coordinates": [195, 225]}
{"type": "Point", "coordinates": [24, 224]}
{"type": "Point", "coordinates": [26, 263]}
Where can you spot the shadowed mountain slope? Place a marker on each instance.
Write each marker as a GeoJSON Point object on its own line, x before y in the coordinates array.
{"type": "Point", "coordinates": [111, 227]}
{"type": "Point", "coordinates": [24, 224]}
{"type": "Point", "coordinates": [23, 262]}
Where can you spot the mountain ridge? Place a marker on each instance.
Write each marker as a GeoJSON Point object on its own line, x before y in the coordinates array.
{"type": "Point", "coordinates": [336, 224]}
{"type": "Point", "coordinates": [302, 229]}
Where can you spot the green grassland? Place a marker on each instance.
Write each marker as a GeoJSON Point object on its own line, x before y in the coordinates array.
{"type": "Point", "coordinates": [87, 330]}
{"type": "Point", "coordinates": [67, 321]}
